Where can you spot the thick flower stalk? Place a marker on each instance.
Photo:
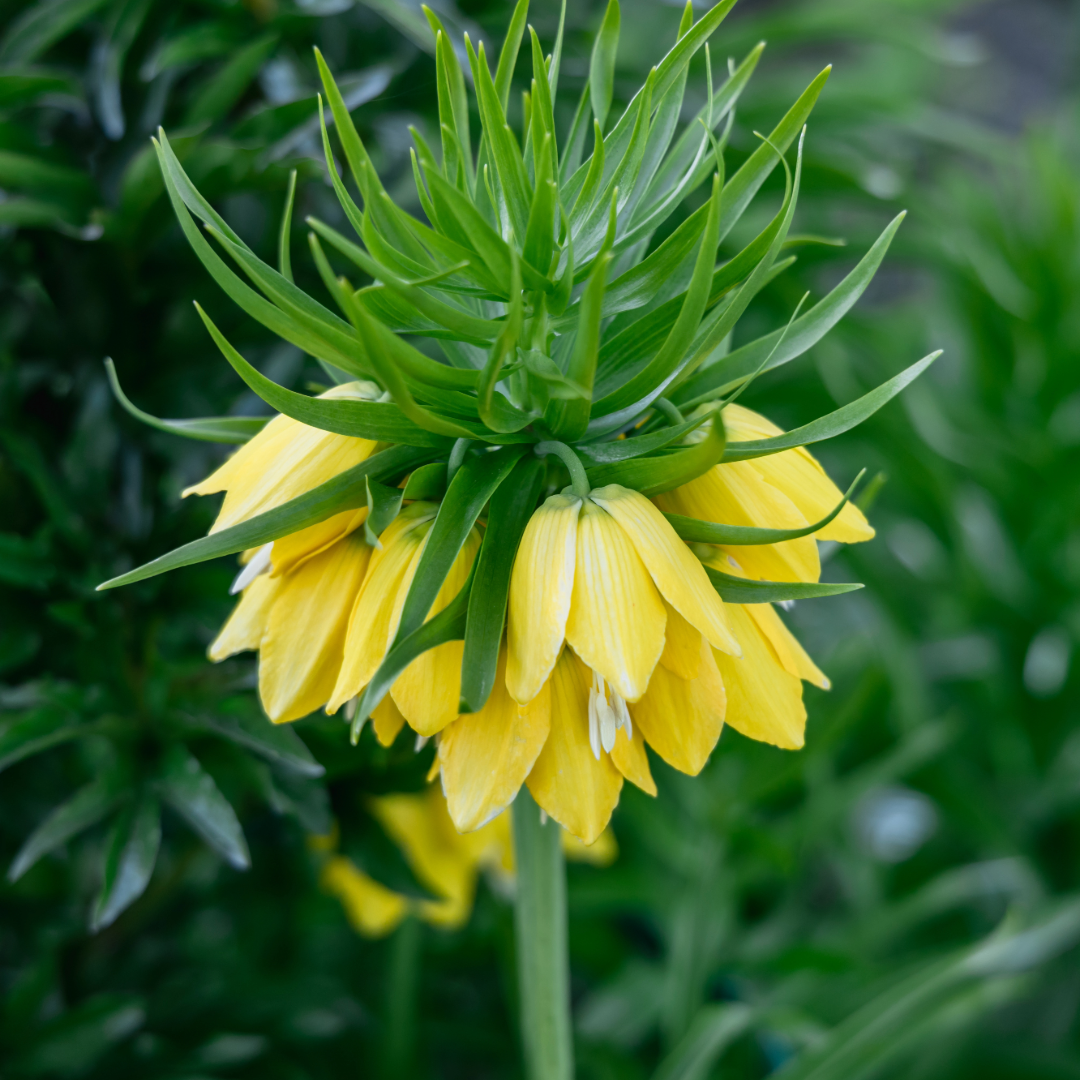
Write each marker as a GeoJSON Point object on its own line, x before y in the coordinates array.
{"type": "Point", "coordinates": [550, 537]}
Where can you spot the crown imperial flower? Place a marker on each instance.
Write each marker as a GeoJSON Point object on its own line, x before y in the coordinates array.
{"type": "Point", "coordinates": [562, 540]}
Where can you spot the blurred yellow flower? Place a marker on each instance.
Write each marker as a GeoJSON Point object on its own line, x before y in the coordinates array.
{"type": "Point", "coordinates": [447, 863]}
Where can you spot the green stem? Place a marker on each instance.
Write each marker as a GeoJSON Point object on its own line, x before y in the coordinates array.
{"type": "Point", "coordinates": [401, 989]}
{"type": "Point", "coordinates": [578, 480]}
{"type": "Point", "coordinates": [542, 955]}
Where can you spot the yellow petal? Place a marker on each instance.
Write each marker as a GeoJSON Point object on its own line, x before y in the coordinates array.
{"type": "Point", "coordinates": [574, 788]}
{"type": "Point", "coordinates": [372, 908]}
{"type": "Point", "coordinates": [682, 646]}
{"type": "Point", "coordinates": [305, 635]}
{"type": "Point", "coordinates": [290, 551]}
{"type": "Point", "coordinates": [764, 701]}
{"type": "Point", "coordinates": [617, 618]}
{"type": "Point", "coordinates": [603, 851]}
{"type": "Point", "coordinates": [443, 861]}
{"type": "Point", "coordinates": [486, 756]}
{"type": "Point", "coordinates": [798, 474]}
{"type": "Point", "coordinates": [677, 573]}
{"type": "Point", "coordinates": [284, 460]}
{"type": "Point", "coordinates": [681, 719]}
{"type": "Point", "coordinates": [387, 721]}
{"type": "Point", "coordinates": [631, 760]}
{"type": "Point", "coordinates": [540, 591]}
{"type": "Point", "coordinates": [428, 691]}
{"type": "Point", "coordinates": [245, 626]}
{"type": "Point", "coordinates": [372, 623]}
{"type": "Point", "coordinates": [788, 651]}
{"type": "Point", "coordinates": [737, 494]}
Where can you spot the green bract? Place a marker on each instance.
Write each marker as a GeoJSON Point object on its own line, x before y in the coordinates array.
{"type": "Point", "coordinates": [570, 349]}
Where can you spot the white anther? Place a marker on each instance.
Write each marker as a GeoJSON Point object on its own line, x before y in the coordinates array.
{"type": "Point", "coordinates": [594, 722]}
{"type": "Point", "coordinates": [421, 742]}
{"type": "Point", "coordinates": [258, 564]}
{"type": "Point", "coordinates": [622, 714]}
{"type": "Point", "coordinates": [543, 816]}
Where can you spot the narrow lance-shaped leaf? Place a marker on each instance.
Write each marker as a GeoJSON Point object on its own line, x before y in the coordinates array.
{"type": "Point", "coordinates": [192, 793]}
{"type": "Point", "coordinates": [543, 113]}
{"type": "Point", "coordinates": [739, 590]}
{"type": "Point", "coordinates": [653, 475]}
{"type": "Point", "coordinates": [379, 420]}
{"type": "Point", "coordinates": [284, 236]}
{"type": "Point", "coordinates": [277, 743]}
{"type": "Point", "coordinates": [508, 55]}
{"type": "Point", "coordinates": [341, 354]}
{"type": "Point", "coordinates": [651, 382]}
{"type": "Point", "coordinates": [693, 530]}
{"type": "Point", "coordinates": [502, 147]}
{"type": "Point", "coordinates": [744, 185]}
{"type": "Point", "coordinates": [505, 346]}
{"type": "Point", "coordinates": [130, 855]}
{"type": "Point", "coordinates": [605, 453]}
{"type": "Point", "coordinates": [804, 333]}
{"type": "Point", "coordinates": [383, 506]}
{"type": "Point", "coordinates": [511, 507]}
{"type": "Point", "coordinates": [85, 808]}
{"type": "Point", "coordinates": [388, 217]}
{"type": "Point", "coordinates": [383, 348]}
{"type": "Point", "coordinates": [474, 483]}
{"type": "Point", "coordinates": [568, 420]}
{"type": "Point", "coordinates": [220, 429]}
{"type": "Point", "coordinates": [346, 491]}
{"type": "Point", "coordinates": [602, 62]}
{"type": "Point", "coordinates": [835, 423]}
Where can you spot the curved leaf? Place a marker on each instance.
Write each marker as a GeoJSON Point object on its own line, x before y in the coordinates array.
{"type": "Point", "coordinates": [738, 590]}
{"type": "Point", "coordinates": [835, 423]}
{"type": "Point", "coordinates": [653, 475]}
{"type": "Point", "coordinates": [220, 429]}
{"type": "Point", "coordinates": [346, 491]}
{"type": "Point", "coordinates": [382, 421]}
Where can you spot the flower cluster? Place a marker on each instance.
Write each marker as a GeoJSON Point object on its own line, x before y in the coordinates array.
{"type": "Point", "coordinates": [562, 540]}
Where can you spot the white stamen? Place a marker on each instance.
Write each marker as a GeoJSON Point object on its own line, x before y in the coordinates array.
{"type": "Point", "coordinates": [622, 715]}
{"type": "Point", "coordinates": [543, 816]}
{"type": "Point", "coordinates": [258, 564]}
{"type": "Point", "coordinates": [421, 742]}
{"type": "Point", "coordinates": [350, 707]}
{"type": "Point", "coordinates": [608, 725]}
{"type": "Point", "coordinates": [594, 723]}
{"type": "Point", "coordinates": [787, 605]}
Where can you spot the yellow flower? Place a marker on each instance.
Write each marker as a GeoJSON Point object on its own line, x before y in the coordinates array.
{"type": "Point", "coordinates": [285, 460]}
{"type": "Point", "coordinates": [607, 576]}
{"type": "Point", "coordinates": [447, 863]}
{"type": "Point", "coordinates": [788, 490]}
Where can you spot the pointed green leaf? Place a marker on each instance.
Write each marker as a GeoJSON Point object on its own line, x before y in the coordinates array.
{"type": "Point", "coordinates": [714, 1028]}
{"type": "Point", "coordinates": [653, 380]}
{"type": "Point", "coordinates": [221, 429]}
{"type": "Point", "coordinates": [85, 808]}
{"type": "Point", "coordinates": [428, 482]}
{"type": "Point", "coordinates": [693, 530]}
{"type": "Point", "coordinates": [508, 55]}
{"type": "Point", "coordinates": [606, 453]}
{"type": "Point", "coordinates": [738, 590]}
{"type": "Point", "coordinates": [804, 333]}
{"type": "Point", "coordinates": [221, 92]}
{"type": "Point", "coordinates": [346, 491]}
{"type": "Point", "coordinates": [383, 506]}
{"type": "Point", "coordinates": [284, 236]}
{"type": "Point", "coordinates": [653, 475]}
{"type": "Point", "coordinates": [511, 507]}
{"type": "Point", "coordinates": [473, 484]}
{"type": "Point", "coordinates": [130, 855]}
{"type": "Point", "coordinates": [277, 743]}
{"type": "Point", "coordinates": [192, 793]}
{"type": "Point", "coordinates": [835, 423]}
{"type": "Point", "coordinates": [602, 62]}
{"type": "Point", "coordinates": [379, 420]}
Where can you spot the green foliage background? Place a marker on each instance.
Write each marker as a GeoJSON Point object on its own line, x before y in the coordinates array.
{"type": "Point", "coordinates": [771, 915]}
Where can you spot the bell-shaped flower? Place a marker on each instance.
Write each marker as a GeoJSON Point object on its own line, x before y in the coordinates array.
{"type": "Point", "coordinates": [786, 490]}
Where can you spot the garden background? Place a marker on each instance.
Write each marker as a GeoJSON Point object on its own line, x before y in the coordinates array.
{"type": "Point", "coordinates": [900, 899]}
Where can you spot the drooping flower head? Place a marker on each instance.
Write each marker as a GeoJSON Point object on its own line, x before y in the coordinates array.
{"type": "Point", "coordinates": [549, 539]}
